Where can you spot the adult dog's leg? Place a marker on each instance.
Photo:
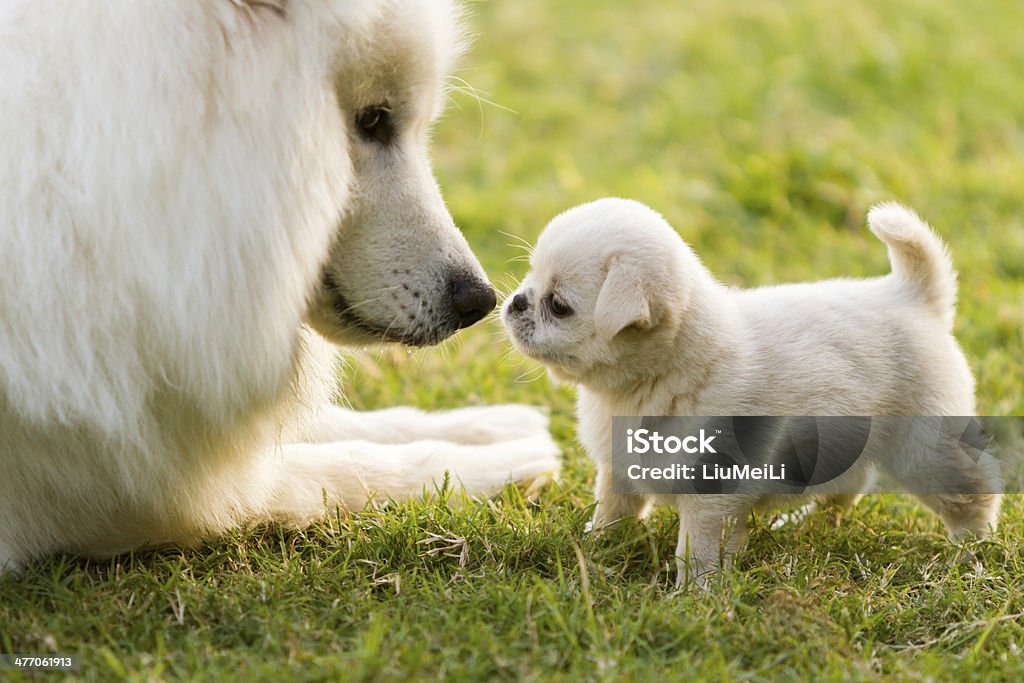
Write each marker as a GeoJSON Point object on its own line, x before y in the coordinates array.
{"type": "Point", "coordinates": [310, 480]}
{"type": "Point", "coordinates": [475, 425]}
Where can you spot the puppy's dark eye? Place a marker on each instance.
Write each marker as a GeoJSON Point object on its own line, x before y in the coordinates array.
{"type": "Point", "coordinates": [374, 123]}
{"type": "Point", "coordinates": [559, 308]}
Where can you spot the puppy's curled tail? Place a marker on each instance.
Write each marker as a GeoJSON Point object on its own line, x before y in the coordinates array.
{"type": "Point", "coordinates": [918, 256]}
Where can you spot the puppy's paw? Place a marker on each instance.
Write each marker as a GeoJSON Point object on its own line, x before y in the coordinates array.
{"type": "Point", "coordinates": [9, 566]}
{"type": "Point", "coordinates": [695, 576]}
{"type": "Point", "coordinates": [598, 524]}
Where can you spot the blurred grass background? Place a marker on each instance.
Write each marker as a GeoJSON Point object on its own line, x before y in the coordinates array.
{"type": "Point", "coordinates": [763, 131]}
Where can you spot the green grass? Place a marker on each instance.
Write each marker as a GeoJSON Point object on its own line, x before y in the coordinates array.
{"type": "Point", "coordinates": [763, 131]}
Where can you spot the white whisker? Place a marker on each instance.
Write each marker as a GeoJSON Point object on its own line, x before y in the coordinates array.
{"type": "Point", "coordinates": [529, 376]}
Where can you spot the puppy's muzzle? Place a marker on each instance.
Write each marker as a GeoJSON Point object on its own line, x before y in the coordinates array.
{"type": "Point", "coordinates": [519, 303]}
{"type": "Point", "coordinates": [471, 299]}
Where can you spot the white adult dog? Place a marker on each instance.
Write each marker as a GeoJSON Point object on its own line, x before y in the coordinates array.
{"type": "Point", "coordinates": [183, 187]}
{"type": "Point", "coordinates": [617, 303]}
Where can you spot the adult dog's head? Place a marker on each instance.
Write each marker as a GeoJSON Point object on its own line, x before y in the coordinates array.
{"type": "Point", "coordinates": [210, 177]}
{"type": "Point", "coordinates": [399, 269]}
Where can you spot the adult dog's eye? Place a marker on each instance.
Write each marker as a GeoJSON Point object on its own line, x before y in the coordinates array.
{"type": "Point", "coordinates": [374, 123]}
{"type": "Point", "coordinates": [559, 308]}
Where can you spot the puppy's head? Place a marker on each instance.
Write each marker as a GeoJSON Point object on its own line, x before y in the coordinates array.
{"type": "Point", "coordinates": [399, 270]}
{"type": "Point", "coordinates": [607, 282]}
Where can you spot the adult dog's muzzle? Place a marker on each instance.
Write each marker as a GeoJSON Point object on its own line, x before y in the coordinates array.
{"type": "Point", "coordinates": [472, 299]}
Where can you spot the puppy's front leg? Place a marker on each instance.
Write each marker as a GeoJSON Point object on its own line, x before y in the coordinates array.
{"type": "Point", "coordinates": [307, 481]}
{"type": "Point", "coordinates": [711, 530]}
{"type": "Point", "coordinates": [8, 563]}
{"type": "Point", "coordinates": [612, 506]}
{"type": "Point", "coordinates": [473, 425]}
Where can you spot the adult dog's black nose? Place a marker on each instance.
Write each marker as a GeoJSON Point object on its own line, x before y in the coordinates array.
{"type": "Point", "coordinates": [520, 303]}
{"type": "Point", "coordinates": [472, 299]}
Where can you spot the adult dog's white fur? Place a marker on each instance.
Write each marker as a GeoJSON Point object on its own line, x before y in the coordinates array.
{"type": "Point", "coordinates": [183, 187]}
{"type": "Point", "coordinates": [617, 303]}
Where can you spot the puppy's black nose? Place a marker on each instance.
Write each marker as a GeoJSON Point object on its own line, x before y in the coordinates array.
{"type": "Point", "coordinates": [472, 299]}
{"type": "Point", "coordinates": [520, 303]}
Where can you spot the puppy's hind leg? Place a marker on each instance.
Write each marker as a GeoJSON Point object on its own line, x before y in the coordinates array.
{"type": "Point", "coordinates": [962, 485]}
{"type": "Point", "coordinates": [853, 485]}
{"type": "Point", "coordinates": [965, 515]}
{"type": "Point", "coordinates": [847, 492]}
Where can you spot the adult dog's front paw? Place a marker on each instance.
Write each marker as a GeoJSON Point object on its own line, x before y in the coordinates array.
{"type": "Point", "coordinates": [536, 460]}
{"type": "Point", "coordinates": [494, 424]}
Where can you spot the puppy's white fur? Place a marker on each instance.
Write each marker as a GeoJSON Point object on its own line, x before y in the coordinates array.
{"type": "Point", "coordinates": [617, 303]}
{"type": "Point", "coordinates": [183, 188]}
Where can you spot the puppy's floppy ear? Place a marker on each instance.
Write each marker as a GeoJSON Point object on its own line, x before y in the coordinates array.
{"type": "Point", "coordinates": [622, 301]}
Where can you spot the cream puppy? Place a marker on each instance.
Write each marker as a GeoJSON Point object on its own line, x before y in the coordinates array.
{"type": "Point", "coordinates": [618, 304]}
